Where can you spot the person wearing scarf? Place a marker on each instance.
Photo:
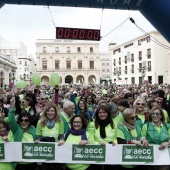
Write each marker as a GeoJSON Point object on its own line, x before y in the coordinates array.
{"type": "Point", "coordinates": [5, 136]}
{"type": "Point", "coordinates": [104, 131]}
{"type": "Point", "coordinates": [49, 126]}
{"type": "Point", "coordinates": [77, 134]}
{"type": "Point", "coordinates": [129, 132]}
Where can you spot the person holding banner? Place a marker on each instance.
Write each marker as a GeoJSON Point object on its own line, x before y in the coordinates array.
{"type": "Point", "coordinates": [129, 132]}
{"type": "Point", "coordinates": [156, 131]}
{"type": "Point", "coordinates": [5, 136]}
{"type": "Point", "coordinates": [77, 134]}
{"type": "Point", "coordinates": [50, 126]}
{"type": "Point", "coordinates": [104, 131]}
{"type": "Point", "coordinates": [22, 131]}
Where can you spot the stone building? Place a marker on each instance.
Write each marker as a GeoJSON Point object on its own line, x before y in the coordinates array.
{"type": "Point", "coordinates": [74, 60]}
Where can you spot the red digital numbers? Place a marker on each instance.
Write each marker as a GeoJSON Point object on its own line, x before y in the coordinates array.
{"type": "Point", "coordinates": [67, 33]}
{"type": "Point", "coordinates": [77, 33]}
{"type": "Point", "coordinates": [60, 33]}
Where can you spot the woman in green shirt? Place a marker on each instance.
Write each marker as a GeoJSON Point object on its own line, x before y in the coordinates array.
{"type": "Point", "coordinates": [50, 128]}
{"type": "Point", "coordinates": [77, 134]}
{"type": "Point", "coordinates": [156, 131]}
{"type": "Point", "coordinates": [129, 132]}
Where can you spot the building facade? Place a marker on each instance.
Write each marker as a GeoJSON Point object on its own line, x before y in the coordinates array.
{"type": "Point", "coordinates": [12, 51]}
{"type": "Point", "coordinates": [105, 68]}
{"type": "Point", "coordinates": [26, 68]}
{"type": "Point", "coordinates": [141, 59]}
{"type": "Point", "coordinates": [75, 61]}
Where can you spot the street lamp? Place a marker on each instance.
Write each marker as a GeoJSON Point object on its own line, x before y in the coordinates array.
{"type": "Point", "coordinates": [13, 74]}
{"type": "Point", "coordinates": [143, 72]}
{"type": "Point", "coordinates": [23, 77]}
{"type": "Point", "coordinates": [118, 75]}
{"type": "Point", "coordinates": [108, 79]}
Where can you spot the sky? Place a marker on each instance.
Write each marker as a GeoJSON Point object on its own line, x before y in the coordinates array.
{"type": "Point", "coordinates": [29, 23]}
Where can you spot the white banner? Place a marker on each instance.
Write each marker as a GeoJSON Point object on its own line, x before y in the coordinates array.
{"type": "Point", "coordinates": [88, 154]}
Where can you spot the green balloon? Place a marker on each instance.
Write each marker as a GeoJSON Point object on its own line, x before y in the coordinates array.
{"type": "Point", "coordinates": [36, 79]}
{"type": "Point", "coordinates": [21, 84]}
{"type": "Point", "coordinates": [54, 79]}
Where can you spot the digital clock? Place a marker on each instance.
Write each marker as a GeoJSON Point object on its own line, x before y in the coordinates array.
{"type": "Point", "coordinates": [77, 34]}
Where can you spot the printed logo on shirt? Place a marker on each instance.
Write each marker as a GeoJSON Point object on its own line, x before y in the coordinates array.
{"type": "Point", "coordinates": [38, 151]}
{"type": "Point", "coordinates": [89, 153]}
{"type": "Point", "coordinates": [137, 154]}
{"type": "Point", "coordinates": [2, 153]}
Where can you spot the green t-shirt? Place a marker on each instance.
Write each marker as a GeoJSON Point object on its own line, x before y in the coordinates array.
{"type": "Point", "coordinates": [57, 130]}
{"type": "Point", "coordinates": [110, 135]}
{"type": "Point", "coordinates": [72, 139]}
{"type": "Point", "coordinates": [119, 118]}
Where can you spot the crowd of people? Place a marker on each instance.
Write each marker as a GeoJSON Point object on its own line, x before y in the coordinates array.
{"type": "Point", "coordinates": [92, 114]}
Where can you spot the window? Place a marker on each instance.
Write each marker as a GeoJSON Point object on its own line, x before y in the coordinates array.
{"type": "Point", "coordinates": [117, 51]}
{"type": "Point", "coordinates": [119, 70]}
{"type": "Point", "coordinates": [149, 65]}
{"type": "Point", "coordinates": [149, 53]}
{"type": "Point", "coordinates": [103, 64]}
{"type": "Point", "coordinates": [20, 62]}
{"type": "Point", "coordinates": [68, 49]}
{"type": "Point", "coordinates": [140, 67]}
{"type": "Point", "coordinates": [44, 64]}
{"type": "Point", "coordinates": [107, 64]}
{"type": "Point", "coordinates": [114, 71]}
{"type": "Point", "coordinates": [56, 49]}
{"type": "Point", "coordinates": [57, 65]}
{"type": "Point", "coordinates": [132, 57]}
{"type": "Point", "coordinates": [148, 39]}
{"type": "Point", "coordinates": [114, 63]}
{"type": "Point", "coordinates": [140, 55]}
{"type": "Point", "coordinates": [108, 70]}
{"type": "Point", "coordinates": [68, 65]}
{"type": "Point", "coordinates": [132, 68]}
{"type": "Point", "coordinates": [79, 65]}
{"type": "Point", "coordinates": [91, 65]}
{"type": "Point", "coordinates": [44, 50]}
{"type": "Point", "coordinates": [25, 63]}
{"type": "Point", "coordinates": [125, 69]}
{"type": "Point", "coordinates": [91, 49]}
{"type": "Point", "coordinates": [79, 49]}
{"type": "Point", "coordinates": [125, 59]}
{"type": "Point", "coordinates": [119, 61]}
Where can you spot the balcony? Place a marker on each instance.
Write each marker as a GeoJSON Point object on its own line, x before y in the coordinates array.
{"type": "Point", "coordinates": [119, 63]}
{"type": "Point", "coordinates": [125, 61]}
{"type": "Point", "coordinates": [114, 64]}
{"type": "Point", "coordinates": [125, 71]}
{"type": "Point", "coordinates": [140, 58]}
{"type": "Point", "coordinates": [132, 71]}
{"type": "Point", "coordinates": [132, 60]}
{"type": "Point", "coordinates": [149, 69]}
{"type": "Point", "coordinates": [148, 56]}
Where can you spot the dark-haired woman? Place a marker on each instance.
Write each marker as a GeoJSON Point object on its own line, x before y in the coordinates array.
{"type": "Point", "coordinates": [104, 131]}
{"type": "Point", "coordinates": [22, 131]}
{"type": "Point", "coordinates": [77, 134]}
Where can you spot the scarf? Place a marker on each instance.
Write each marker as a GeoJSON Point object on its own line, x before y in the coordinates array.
{"type": "Point", "coordinates": [5, 134]}
{"type": "Point", "coordinates": [103, 124]}
{"type": "Point", "coordinates": [81, 132]}
{"type": "Point", "coordinates": [50, 124]}
{"type": "Point", "coordinates": [128, 126]}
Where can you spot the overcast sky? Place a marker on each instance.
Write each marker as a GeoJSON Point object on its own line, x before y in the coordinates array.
{"type": "Point", "coordinates": [29, 23]}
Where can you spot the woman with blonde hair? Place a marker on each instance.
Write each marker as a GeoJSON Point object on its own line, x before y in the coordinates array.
{"type": "Point", "coordinates": [140, 109]}
{"type": "Point", "coordinates": [50, 129]}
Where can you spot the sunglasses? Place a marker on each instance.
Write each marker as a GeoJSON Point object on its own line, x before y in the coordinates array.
{"type": "Point", "coordinates": [133, 117]}
{"type": "Point", "coordinates": [140, 104]}
{"type": "Point", "coordinates": [24, 120]}
{"type": "Point", "coordinates": [44, 98]}
{"type": "Point", "coordinates": [155, 114]}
